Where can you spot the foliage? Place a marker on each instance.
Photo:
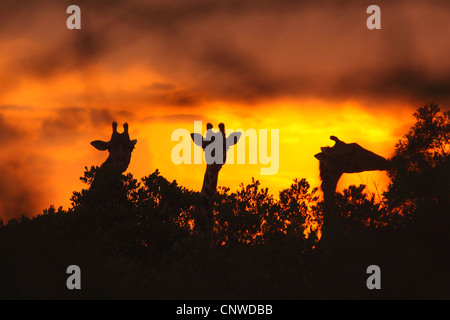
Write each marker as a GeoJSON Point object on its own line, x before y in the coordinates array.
{"type": "Point", "coordinates": [134, 238]}
{"type": "Point", "coordinates": [420, 171]}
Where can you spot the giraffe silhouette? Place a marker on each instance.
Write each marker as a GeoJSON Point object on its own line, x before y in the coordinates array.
{"type": "Point", "coordinates": [215, 146]}
{"type": "Point", "coordinates": [335, 161]}
{"type": "Point", "coordinates": [119, 147]}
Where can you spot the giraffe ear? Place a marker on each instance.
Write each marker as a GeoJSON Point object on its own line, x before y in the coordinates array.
{"type": "Point", "coordinates": [197, 138]}
{"type": "Point", "coordinates": [133, 142]}
{"type": "Point", "coordinates": [320, 156]}
{"type": "Point", "coordinates": [100, 145]}
{"type": "Point", "coordinates": [233, 138]}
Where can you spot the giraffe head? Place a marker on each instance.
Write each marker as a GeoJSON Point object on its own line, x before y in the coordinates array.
{"type": "Point", "coordinates": [215, 144]}
{"type": "Point", "coordinates": [119, 146]}
{"type": "Point", "coordinates": [348, 158]}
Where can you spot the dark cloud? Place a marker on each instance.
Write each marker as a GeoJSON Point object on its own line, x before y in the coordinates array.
{"type": "Point", "coordinates": [181, 98]}
{"type": "Point", "coordinates": [19, 194]}
{"type": "Point", "coordinates": [77, 51]}
{"type": "Point", "coordinates": [245, 50]}
{"type": "Point", "coordinates": [407, 84]}
{"type": "Point", "coordinates": [8, 107]}
{"type": "Point", "coordinates": [236, 75]}
{"type": "Point", "coordinates": [101, 117]}
{"type": "Point", "coordinates": [161, 86]}
{"type": "Point", "coordinates": [417, 84]}
{"type": "Point", "coordinates": [9, 133]}
{"type": "Point", "coordinates": [20, 168]}
{"type": "Point", "coordinates": [166, 94]}
{"type": "Point", "coordinates": [181, 117]}
{"type": "Point", "coordinates": [66, 125]}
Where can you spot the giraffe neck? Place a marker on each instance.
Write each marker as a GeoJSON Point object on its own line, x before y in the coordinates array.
{"type": "Point", "coordinates": [330, 179]}
{"type": "Point", "coordinates": [206, 212]}
{"type": "Point", "coordinates": [210, 180]}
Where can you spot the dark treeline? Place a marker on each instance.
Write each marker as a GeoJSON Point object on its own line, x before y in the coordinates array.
{"type": "Point", "coordinates": [133, 239]}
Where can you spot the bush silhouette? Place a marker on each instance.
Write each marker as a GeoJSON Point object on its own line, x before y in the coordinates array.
{"type": "Point", "coordinates": [134, 239]}
{"type": "Point", "coordinates": [420, 174]}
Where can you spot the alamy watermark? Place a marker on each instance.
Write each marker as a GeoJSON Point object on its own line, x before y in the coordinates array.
{"type": "Point", "coordinates": [250, 146]}
{"type": "Point", "coordinates": [74, 20]}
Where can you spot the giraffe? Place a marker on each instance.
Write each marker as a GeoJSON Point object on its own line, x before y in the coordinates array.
{"type": "Point", "coordinates": [119, 147]}
{"type": "Point", "coordinates": [333, 162]}
{"type": "Point", "coordinates": [215, 159]}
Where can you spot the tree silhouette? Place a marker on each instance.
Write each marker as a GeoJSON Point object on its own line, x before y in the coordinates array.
{"type": "Point", "coordinates": [358, 209]}
{"type": "Point", "coordinates": [298, 209]}
{"type": "Point", "coordinates": [240, 215]}
{"type": "Point", "coordinates": [420, 171]}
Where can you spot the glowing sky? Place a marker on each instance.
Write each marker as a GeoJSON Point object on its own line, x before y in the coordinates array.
{"type": "Point", "coordinates": [310, 69]}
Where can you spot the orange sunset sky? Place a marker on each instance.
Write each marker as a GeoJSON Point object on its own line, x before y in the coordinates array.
{"type": "Point", "coordinates": [310, 69]}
